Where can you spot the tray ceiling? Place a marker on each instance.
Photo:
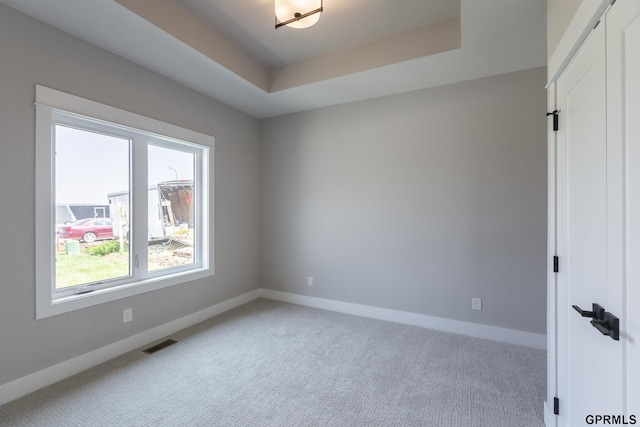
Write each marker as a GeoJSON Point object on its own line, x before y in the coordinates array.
{"type": "Point", "coordinates": [359, 49]}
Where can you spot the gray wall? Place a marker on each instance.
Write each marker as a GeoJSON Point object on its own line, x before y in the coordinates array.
{"type": "Point", "coordinates": [559, 16]}
{"type": "Point", "coordinates": [30, 53]}
{"type": "Point", "coordinates": [416, 202]}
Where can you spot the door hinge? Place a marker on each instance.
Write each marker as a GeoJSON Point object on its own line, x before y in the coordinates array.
{"type": "Point", "coordinates": [556, 264]}
{"type": "Point", "coordinates": [554, 113]}
{"type": "Point", "coordinates": [556, 406]}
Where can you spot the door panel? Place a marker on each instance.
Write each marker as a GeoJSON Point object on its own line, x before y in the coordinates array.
{"type": "Point", "coordinates": [588, 360]}
{"type": "Point", "coordinates": [623, 110]}
{"type": "Point", "coordinates": [597, 206]}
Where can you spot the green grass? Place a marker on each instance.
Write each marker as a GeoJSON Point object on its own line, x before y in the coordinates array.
{"type": "Point", "coordinates": [72, 270]}
{"type": "Point", "coordinates": [103, 248]}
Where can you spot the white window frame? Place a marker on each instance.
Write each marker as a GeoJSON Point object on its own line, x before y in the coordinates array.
{"type": "Point", "coordinates": [50, 106]}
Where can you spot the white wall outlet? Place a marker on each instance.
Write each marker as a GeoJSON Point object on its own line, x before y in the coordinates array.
{"type": "Point", "coordinates": [127, 315]}
{"type": "Point", "coordinates": [476, 303]}
{"type": "Point", "coordinates": [309, 281]}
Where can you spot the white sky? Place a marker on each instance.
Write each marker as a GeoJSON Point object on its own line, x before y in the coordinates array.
{"type": "Point", "coordinates": [89, 166]}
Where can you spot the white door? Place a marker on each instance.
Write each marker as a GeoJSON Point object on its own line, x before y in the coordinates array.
{"type": "Point", "coordinates": [598, 223]}
{"type": "Point", "coordinates": [590, 363]}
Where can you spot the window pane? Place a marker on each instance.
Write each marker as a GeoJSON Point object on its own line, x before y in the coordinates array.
{"type": "Point", "coordinates": [171, 208]}
{"type": "Point", "coordinates": [88, 167]}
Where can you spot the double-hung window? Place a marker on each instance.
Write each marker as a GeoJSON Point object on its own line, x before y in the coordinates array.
{"type": "Point", "coordinates": [143, 187]}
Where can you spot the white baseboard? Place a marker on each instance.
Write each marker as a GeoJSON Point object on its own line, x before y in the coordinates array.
{"type": "Point", "coordinates": [30, 383]}
{"type": "Point", "coordinates": [510, 336]}
{"type": "Point", "coordinates": [550, 419]}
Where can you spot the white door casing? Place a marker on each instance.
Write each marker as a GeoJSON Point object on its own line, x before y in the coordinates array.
{"type": "Point", "coordinates": [552, 250]}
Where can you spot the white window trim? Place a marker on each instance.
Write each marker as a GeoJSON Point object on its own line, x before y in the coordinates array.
{"type": "Point", "coordinates": [48, 100]}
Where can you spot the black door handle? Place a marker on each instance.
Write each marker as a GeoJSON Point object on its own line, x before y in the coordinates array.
{"type": "Point", "coordinates": [597, 313]}
{"type": "Point", "coordinates": [582, 312]}
{"type": "Point", "coordinates": [605, 322]}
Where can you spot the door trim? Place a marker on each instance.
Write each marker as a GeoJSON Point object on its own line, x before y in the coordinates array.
{"type": "Point", "coordinates": [587, 15]}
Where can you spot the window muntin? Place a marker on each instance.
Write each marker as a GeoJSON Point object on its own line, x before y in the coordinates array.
{"type": "Point", "coordinates": [58, 114]}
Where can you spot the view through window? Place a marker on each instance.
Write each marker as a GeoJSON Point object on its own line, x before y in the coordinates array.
{"type": "Point", "coordinates": [171, 208]}
{"type": "Point", "coordinates": [93, 188]}
{"type": "Point", "coordinates": [88, 167]}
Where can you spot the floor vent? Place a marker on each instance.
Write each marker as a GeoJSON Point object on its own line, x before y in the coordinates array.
{"type": "Point", "coordinates": [159, 346]}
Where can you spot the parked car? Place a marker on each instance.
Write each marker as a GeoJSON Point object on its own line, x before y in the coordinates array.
{"type": "Point", "coordinates": [87, 230]}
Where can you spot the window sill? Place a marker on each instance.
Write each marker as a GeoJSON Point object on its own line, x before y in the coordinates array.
{"type": "Point", "coordinates": [48, 306]}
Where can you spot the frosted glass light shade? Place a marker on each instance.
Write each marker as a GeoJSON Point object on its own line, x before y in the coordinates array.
{"type": "Point", "coordinates": [287, 9]}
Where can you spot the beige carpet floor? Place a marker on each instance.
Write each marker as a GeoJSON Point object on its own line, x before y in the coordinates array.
{"type": "Point", "coordinates": [274, 364]}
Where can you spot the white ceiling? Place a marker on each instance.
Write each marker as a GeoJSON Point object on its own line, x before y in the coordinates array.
{"type": "Point", "coordinates": [359, 49]}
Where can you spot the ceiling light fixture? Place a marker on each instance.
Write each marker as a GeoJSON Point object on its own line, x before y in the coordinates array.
{"type": "Point", "coordinates": [297, 13]}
